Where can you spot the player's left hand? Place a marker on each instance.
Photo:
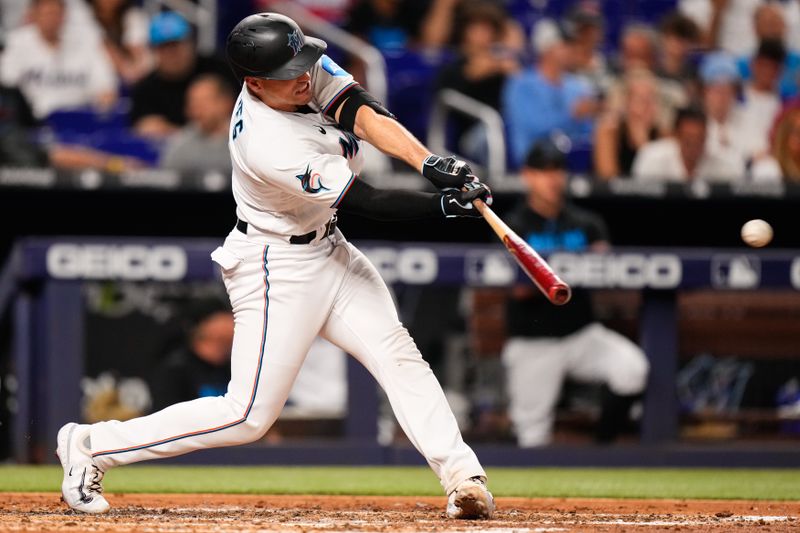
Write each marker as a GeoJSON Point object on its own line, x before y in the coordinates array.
{"type": "Point", "coordinates": [458, 203]}
{"type": "Point", "coordinates": [447, 172]}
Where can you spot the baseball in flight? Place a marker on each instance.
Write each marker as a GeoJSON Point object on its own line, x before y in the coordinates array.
{"type": "Point", "coordinates": [757, 233]}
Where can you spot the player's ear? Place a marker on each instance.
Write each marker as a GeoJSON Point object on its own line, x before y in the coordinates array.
{"type": "Point", "coordinates": [252, 83]}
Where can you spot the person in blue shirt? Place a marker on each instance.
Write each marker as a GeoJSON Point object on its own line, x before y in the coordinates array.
{"type": "Point", "coordinates": [546, 98]}
{"type": "Point", "coordinates": [770, 24]}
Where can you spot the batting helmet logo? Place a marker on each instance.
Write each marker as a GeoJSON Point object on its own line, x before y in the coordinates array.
{"type": "Point", "coordinates": [295, 41]}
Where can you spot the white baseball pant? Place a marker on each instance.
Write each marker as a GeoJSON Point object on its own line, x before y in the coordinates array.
{"type": "Point", "coordinates": [536, 369]}
{"type": "Point", "coordinates": [283, 295]}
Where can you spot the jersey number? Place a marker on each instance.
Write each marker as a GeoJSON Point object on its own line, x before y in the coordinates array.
{"type": "Point", "coordinates": [239, 125]}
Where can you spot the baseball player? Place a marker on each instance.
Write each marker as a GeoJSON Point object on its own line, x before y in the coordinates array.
{"type": "Point", "coordinates": [295, 144]}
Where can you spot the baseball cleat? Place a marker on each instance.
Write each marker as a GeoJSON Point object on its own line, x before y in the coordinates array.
{"type": "Point", "coordinates": [81, 489]}
{"type": "Point", "coordinates": [471, 500]}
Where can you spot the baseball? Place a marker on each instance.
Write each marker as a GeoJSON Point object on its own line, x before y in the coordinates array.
{"type": "Point", "coordinates": [757, 233]}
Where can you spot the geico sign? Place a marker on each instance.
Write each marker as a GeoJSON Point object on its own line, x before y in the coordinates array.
{"type": "Point", "coordinates": [626, 271]}
{"type": "Point", "coordinates": [129, 262]}
{"type": "Point", "coordinates": [414, 266]}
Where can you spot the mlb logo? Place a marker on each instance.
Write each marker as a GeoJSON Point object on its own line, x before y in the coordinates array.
{"type": "Point", "coordinates": [489, 268]}
{"type": "Point", "coordinates": [735, 272]}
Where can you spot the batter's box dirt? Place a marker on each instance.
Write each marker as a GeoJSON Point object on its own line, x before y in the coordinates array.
{"type": "Point", "coordinates": [176, 513]}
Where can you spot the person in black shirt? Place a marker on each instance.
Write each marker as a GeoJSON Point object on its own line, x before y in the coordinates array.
{"type": "Point", "coordinates": [547, 344]}
{"type": "Point", "coordinates": [159, 99]}
{"type": "Point", "coordinates": [203, 366]}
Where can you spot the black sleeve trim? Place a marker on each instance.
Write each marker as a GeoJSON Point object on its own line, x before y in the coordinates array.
{"type": "Point", "coordinates": [365, 200]}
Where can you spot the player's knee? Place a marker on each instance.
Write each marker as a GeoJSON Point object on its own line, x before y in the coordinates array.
{"type": "Point", "coordinates": [630, 377]}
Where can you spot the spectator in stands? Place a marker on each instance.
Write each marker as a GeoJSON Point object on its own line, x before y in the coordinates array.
{"type": "Point", "coordinates": [678, 36]}
{"type": "Point", "coordinates": [770, 25]}
{"type": "Point", "coordinates": [637, 48]}
{"type": "Point", "coordinates": [761, 101]}
{"type": "Point", "coordinates": [159, 99]}
{"type": "Point", "coordinates": [786, 145]}
{"type": "Point", "coordinates": [725, 24]}
{"type": "Point", "coordinates": [202, 144]}
{"type": "Point", "coordinates": [545, 97]}
{"type": "Point", "coordinates": [683, 157]}
{"type": "Point", "coordinates": [124, 29]}
{"type": "Point", "coordinates": [731, 126]}
{"type": "Point", "coordinates": [485, 59]}
{"type": "Point", "coordinates": [56, 69]}
{"type": "Point", "coordinates": [583, 26]}
{"type": "Point", "coordinates": [618, 136]}
{"type": "Point", "coordinates": [201, 367]}
{"type": "Point", "coordinates": [387, 24]}
{"type": "Point", "coordinates": [18, 146]}
{"type": "Point", "coordinates": [547, 344]}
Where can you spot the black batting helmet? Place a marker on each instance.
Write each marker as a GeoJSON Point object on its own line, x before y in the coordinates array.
{"type": "Point", "coordinates": [271, 46]}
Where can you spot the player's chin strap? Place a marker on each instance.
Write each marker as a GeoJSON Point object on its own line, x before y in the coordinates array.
{"type": "Point", "coordinates": [357, 97]}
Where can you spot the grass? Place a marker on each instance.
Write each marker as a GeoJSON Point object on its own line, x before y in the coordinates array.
{"type": "Point", "coordinates": [783, 484]}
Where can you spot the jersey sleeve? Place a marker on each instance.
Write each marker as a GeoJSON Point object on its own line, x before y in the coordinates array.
{"type": "Point", "coordinates": [329, 83]}
{"type": "Point", "coordinates": [317, 178]}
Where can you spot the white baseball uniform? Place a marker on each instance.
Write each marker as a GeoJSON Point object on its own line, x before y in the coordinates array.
{"type": "Point", "coordinates": [290, 171]}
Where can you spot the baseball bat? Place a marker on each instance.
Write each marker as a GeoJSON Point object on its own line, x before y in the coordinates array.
{"type": "Point", "coordinates": [531, 262]}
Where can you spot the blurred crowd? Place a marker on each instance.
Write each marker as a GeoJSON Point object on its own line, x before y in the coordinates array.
{"type": "Point", "coordinates": [711, 89]}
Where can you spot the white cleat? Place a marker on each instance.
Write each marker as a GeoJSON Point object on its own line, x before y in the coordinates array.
{"type": "Point", "coordinates": [471, 500]}
{"type": "Point", "coordinates": [82, 489]}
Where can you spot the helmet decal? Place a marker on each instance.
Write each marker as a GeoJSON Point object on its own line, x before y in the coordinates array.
{"type": "Point", "coordinates": [295, 42]}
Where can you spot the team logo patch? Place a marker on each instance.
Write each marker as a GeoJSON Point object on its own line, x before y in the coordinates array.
{"type": "Point", "coordinates": [295, 43]}
{"type": "Point", "coordinates": [311, 181]}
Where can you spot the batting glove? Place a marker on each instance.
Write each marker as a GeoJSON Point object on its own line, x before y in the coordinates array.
{"type": "Point", "coordinates": [447, 172]}
{"type": "Point", "coordinates": [458, 203]}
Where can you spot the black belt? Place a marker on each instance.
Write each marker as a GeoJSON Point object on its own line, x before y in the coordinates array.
{"type": "Point", "coordinates": [330, 227]}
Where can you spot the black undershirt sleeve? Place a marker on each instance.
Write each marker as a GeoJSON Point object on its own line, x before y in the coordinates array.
{"type": "Point", "coordinates": [380, 204]}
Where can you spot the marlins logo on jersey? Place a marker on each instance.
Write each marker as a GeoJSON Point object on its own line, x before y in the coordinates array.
{"type": "Point", "coordinates": [309, 179]}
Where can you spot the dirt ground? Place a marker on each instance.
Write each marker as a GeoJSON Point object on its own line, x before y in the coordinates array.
{"type": "Point", "coordinates": [239, 513]}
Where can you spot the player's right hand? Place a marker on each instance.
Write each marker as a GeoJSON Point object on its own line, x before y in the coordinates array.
{"type": "Point", "coordinates": [447, 172]}
{"type": "Point", "coordinates": [458, 203]}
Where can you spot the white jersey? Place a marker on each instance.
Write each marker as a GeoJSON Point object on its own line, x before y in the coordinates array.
{"type": "Point", "coordinates": [291, 170]}
{"type": "Point", "coordinates": [72, 75]}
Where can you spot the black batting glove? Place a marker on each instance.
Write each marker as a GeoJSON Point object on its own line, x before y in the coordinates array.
{"type": "Point", "coordinates": [458, 203]}
{"type": "Point", "coordinates": [447, 172]}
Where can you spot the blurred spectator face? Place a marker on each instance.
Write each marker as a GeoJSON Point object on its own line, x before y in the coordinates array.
{"type": "Point", "coordinates": [108, 7]}
{"type": "Point", "coordinates": [642, 99]}
{"type": "Point", "coordinates": [385, 8]}
{"type": "Point", "coordinates": [793, 138]}
{"type": "Point", "coordinates": [479, 35]}
{"type": "Point", "coordinates": [691, 136]}
{"type": "Point", "coordinates": [637, 50]}
{"type": "Point", "coordinates": [675, 46]}
{"type": "Point", "coordinates": [769, 22]}
{"type": "Point", "coordinates": [719, 99]}
{"type": "Point", "coordinates": [546, 185]}
{"type": "Point", "coordinates": [766, 72]}
{"type": "Point", "coordinates": [48, 16]}
{"type": "Point", "coordinates": [207, 104]}
{"type": "Point", "coordinates": [175, 58]}
{"type": "Point", "coordinates": [212, 339]}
